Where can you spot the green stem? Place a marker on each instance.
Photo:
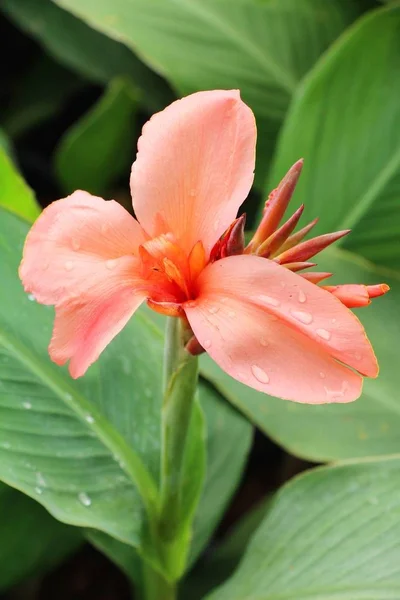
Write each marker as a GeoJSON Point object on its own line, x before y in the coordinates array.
{"type": "Point", "coordinates": [180, 384]}
{"type": "Point", "coordinates": [155, 587]}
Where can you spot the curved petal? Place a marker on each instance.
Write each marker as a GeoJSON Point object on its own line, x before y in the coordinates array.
{"type": "Point", "coordinates": [194, 167]}
{"type": "Point", "coordinates": [85, 326]}
{"type": "Point", "coordinates": [74, 245]}
{"type": "Point", "coordinates": [279, 333]}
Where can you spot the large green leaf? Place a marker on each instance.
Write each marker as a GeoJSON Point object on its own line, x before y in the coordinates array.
{"type": "Point", "coordinates": [31, 541]}
{"type": "Point", "coordinates": [98, 148]}
{"type": "Point", "coordinates": [75, 446]}
{"type": "Point", "coordinates": [84, 50]}
{"type": "Point", "coordinates": [331, 534]}
{"type": "Point", "coordinates": [345, 120]}
{"type": "Point", "coordinates": [39, 95]}
{"type": "Point", "coordinates": [369, 426]}
{"type": "Point", "coordinates": [263, 48]}
{"type": "Point", "coordinates": [229, 437]}
{"type": "Point", "coordinates": [15, 195]}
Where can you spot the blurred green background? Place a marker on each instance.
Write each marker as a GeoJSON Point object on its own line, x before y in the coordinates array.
{"type": "Point", "coordinates": [79, 79]}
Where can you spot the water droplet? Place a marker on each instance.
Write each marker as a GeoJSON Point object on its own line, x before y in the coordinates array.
{"type": "Point", "coordinates": [68, 397]}
{"type": "Point", "coordinates": [40, 479]}
{"type": "Point", "coordinates": [242, 376]}
{"type": "Point", "coordinates": [213, 309]}
{"type": "Point", "coordinates": [38, 490]}
{"type": "Point", "coordinates": [6, 445]}
{"type": "Point", "coordinates": [89, 419]}
{"type": "Point", "coordinates": [69, 265]}
{"type": "Point", "coordinates": [45, 265]}
{"type": "Point", "coordinates": [337, 394]}
{"type": "Point", "coordinates": [302, 297]}
{"type": "Point", "coordinates": [192, 192]}
{"type": "Point", "coordinates": [302, 316]}
{"type": "Point", "coordinates": [268, 300]}
{"type": "Point", "coordinates": [216, 224]}
{"type": "Point", "coordinates": [27, 405]}
{"type": "Point", "coordinates": [31, 297]}
{"type": "Point", "coordinates": [206, 344]}
{"type": "Point", "coordinates": [322, 375]}
{"type": "Point", "coordinates": [110, 264]}
{"type": "Point", "coordinates": [260, 374]}
{"type": "Point", "coordinates": [324, 334]}
{"type": "Point", "coordinates": [75, 244]}
{"type": "Point", "coordinates": [333, 320]}
{"type": "Point", "coordinates": [283, 284]}
{"type": "Point", "coordinates": [84, 499]}
{"type": "Point", "coordinates": [263, 342]}
{"type": "Point", "coordinates": [231, 313]}
{"type": "Point", "coordinates": [357, 356]}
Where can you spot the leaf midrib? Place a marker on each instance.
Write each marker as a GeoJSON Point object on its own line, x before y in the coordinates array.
{"type": "Point", "coordinates": [106, 433]}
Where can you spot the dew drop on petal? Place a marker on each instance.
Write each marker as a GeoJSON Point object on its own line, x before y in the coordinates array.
{"type": "Point", "coordinates": [84, 499]}
{"type": "Point", "coordinates": [268, 300]}
{"type": "Point", "coordinates": [324, 334]}
{"type": "Point", "coordinates": [31, 297]}
{"type": "Point", "coordinates": [216, 224]}
{"type": "Point", "coordinates": [322, 375]}
{"type": "Point", "coordinates": [75, 243]}
{"type": "Point", "coordinates": [259, 374]}
{"type": "Point", "coordinates": [302, 316]}
{"type": "Point", "coordinates": [231, 313]}
{"type": "Point", "coordinates": [357, 355]}
{"type": "Point", "coordinates": [302, 297]}
{"type": "Point", "coordinates": [69, 265]}
{"type": "Point", "coordinates": [192, 192]}
{"type": "Point", "coordinates": [263, 342]}
{"type": "Point", "coordinates": [207, 344]}
{"type": "Point", "coordinates": [27, 405]}
{"type": "Point", "coordinates": [213, 309]}
{"type": "Point", "coordinates": [110, 264]}
{"type": "Point", "coordinates": [104, 228]}
{"type": "Point", "coordinates": [333, 320]}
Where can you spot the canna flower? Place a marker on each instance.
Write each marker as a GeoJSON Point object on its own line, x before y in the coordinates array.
{"type": "Point", "coordinates": [251, 308]}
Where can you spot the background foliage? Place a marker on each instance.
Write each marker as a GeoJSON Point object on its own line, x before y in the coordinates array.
{"type": "Point", "coordinates": [323, 79]}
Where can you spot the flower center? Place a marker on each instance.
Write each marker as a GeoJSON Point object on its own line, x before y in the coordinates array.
{"type": "Point", "coordinates": [171, 270]}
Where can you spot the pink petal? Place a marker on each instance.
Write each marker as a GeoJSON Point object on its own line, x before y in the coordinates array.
{"type": "Point", "coordinates": [277, 332]}
{"type": "Point", "coordinates": [194, 167]}
{"type": "Point", "coordinates": [74, 245]}
{"type": "Point", "coordinates": [82, 329]}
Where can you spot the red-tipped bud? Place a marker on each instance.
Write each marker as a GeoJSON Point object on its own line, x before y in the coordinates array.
{"type": "Point", "coordinates": [315, 277]}
{"type": "Point", "coordinates": [231, 242]}
{"type": "Point", "coordinates": [297, 266]}
{"type": "Point", "coordinates": [275, 241]}
{"type": "Point", "coordinates": [357, 295]}
{"type": "Point", "coordinates": [276, 205]}
{"type": "Point", "coordinates": [299, 236]}
{"type": "Point", "coordinates": [310, 248]}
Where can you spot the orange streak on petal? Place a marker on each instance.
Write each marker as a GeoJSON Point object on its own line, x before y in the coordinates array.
{"type": "Point", "coordinates": [197, 260]}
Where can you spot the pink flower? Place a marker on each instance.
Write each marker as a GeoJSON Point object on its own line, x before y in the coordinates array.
{"type": "Point", "coordinates": [264, 324]}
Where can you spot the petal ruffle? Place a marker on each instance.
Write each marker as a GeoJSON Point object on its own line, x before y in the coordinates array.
{"type": "Point", "coordinates": [277, 332]}
{"type": "Point", "coordinates": [74, 245]}
{"type": "Point", "coordinates": [84, 327]}
{"type": "Point", "coordinates": [194, 167]}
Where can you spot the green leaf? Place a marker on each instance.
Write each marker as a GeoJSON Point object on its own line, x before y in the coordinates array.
{"type": "Point", "coordinates": [15, 195]}
{"type": "Point", "coordinates": [349, 138]}
{"type": "Point", "coordinates": [331, 534]}
{"type": "Point", "coordinates": [79, 47]}
{"type": "Point", "coordinates": [39, 96]}
{"type": "Point", "coordinates": [98, 148]}
{"type": "Point", "coordinates": [366, 427]}
{"type": "Point", "coordinates": [262, 48]}
{"type": "Point", "coordinates": [32, 542]}
{"type": "Point", "coordinates": [229, 437]}
{"type": "Point", "coordinates": [81, 448]}
{"type": "Point", "coordinates": [221, 562]}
